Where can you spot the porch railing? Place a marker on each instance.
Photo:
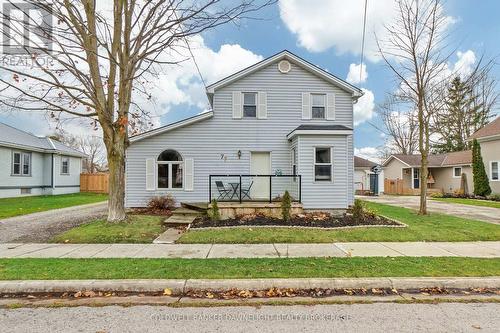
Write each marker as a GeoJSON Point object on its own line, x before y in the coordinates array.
{"type": "Point", "coordinates": [239, 188]}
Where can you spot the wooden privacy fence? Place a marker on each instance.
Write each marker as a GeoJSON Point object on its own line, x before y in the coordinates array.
{"type": "Point", "coordinates": [96, 182]}
{"type": "Point", "coordinates": [393, 186]}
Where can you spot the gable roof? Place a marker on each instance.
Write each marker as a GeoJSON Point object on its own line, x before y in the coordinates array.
{"type": "Point", "coordinates": [285, 54]}
{"type": "Point", "coordinates": [363, 163]}
{"type": "Point", "coordinates": [490, 129]}
{"type": "Point", "coordinates": [435, 160]}
{"type": "Point", "coordinates": [16, 138]}
{"type": "Point", "coordinates": [171, 126]}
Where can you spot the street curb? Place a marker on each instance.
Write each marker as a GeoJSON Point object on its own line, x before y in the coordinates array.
{"type": "Point", "coordinates": [182, 285]}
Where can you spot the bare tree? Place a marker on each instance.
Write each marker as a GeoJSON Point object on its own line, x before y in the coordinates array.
{"type": "Point", "coordinates": [413, 52]}
{"type": "Point", "coordinates": [399, 125]}
{"type": "Point", "coordinates": [102, 55]}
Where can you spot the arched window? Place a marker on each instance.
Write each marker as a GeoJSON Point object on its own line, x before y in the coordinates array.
{"type": "Point", "coordinates": [169, 170]}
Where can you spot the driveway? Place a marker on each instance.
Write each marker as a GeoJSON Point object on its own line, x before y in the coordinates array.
{"type": "Point", "coordinates": [487, 214]}
{"type": "Point", "coordinates": [40, 227]}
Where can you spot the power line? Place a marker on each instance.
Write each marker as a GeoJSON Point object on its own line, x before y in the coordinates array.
{"type": "Point", "coordinates": [363, 44]}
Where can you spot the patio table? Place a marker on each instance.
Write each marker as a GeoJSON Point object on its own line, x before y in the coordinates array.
{"type": "Point", "coordinates": [235, 187]}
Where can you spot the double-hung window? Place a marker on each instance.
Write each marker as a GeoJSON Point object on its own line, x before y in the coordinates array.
{"type": "Point", "coordinates": [21, 164]}
{"type": "Point", "coordinates": [495, 170]}
{"type": "Point", "coordinates": [318, 106]}
{"type": "Point", "coordinates": [323, 164]}
{"type": "Point", "coordinates": [457, 172]}
{"type": "Point", "coordinates": [294, 164]}
{"type": "Point", "coordinates": [249, 104]}
{"type": "Point", "coordinates": [64, 165]}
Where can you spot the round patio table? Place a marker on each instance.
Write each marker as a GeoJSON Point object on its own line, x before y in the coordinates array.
{"type": "Point", "coordinates": [235, 187]}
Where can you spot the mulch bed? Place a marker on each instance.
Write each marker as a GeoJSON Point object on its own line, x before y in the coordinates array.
{"type": "Point", "coordinates": [149, 211]}
{"type": "Point", "coordinates": [315, 220]}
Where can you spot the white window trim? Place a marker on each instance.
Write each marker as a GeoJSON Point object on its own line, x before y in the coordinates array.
{"type": "Point", "coordinates": [453, 172]}
{"type": "Point", "coordinates": [62, 172]}
{"type": "Point", "coordinates": [243, 104]}
{"type": "Point", "coordinates": [21, 164]}
{"type": "Point", "coordinates": [324, 105]}
{"type": "Point", "coordinates": [330, 164]}
{"type": "Point", "coordinates": [414, 170]}
{"type": "Point", "coordinates": [294, 163]}
{"type": "Point", "coordinates": [491, 171]}
{"type": "Point", "coordinates": [170, 188]}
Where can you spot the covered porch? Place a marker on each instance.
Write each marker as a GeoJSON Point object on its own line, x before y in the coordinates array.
{"type": "Point", "coordinates": [409, 184]}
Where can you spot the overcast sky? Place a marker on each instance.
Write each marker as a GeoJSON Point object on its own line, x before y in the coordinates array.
{"type": "Point", "coordinates": [324, 32]}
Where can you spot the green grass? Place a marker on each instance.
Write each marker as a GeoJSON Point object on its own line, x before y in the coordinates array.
{"type": "Point", "coordinates": [472, 202]}
{"type": "Point", "coordinates": [434, 227]}
{"type": "Point", "coordinates": [10, 207]}
{"type": "Point", "coordinates": [47, 269]}
{"type": "Point", "coordinates": [137, 229]}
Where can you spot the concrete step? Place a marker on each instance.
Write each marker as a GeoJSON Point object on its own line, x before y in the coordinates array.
{"type": "Point", "coordinates": [169, 236]}
{"type": "Point", "coordinates": [180, 219]}
{"type": "Point", "coordinates": [199, 206]}
{"type": "Point", "coordinates": [186, 212]}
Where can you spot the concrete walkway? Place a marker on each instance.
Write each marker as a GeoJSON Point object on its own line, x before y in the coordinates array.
{"type": "Point", "coordinates": [41, 226]}
{"type": "Point", "coordinates": [486, 214]}
{"type": "Point", "coordinates": [366, 249]}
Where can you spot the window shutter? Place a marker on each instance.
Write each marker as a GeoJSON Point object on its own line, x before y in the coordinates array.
{"type": "Point", "coordinates": [150, 174]}
{"type": "Point", "coordinates": [330, 106]}
{"type": "Point", "coordinates": [306, 106]}
{"type": "Point", "coordinates": [188, 174]}
{"type": "Point", "coordinates": [237, 105]}
{"type": "Point", "coordinates": [262, 106]}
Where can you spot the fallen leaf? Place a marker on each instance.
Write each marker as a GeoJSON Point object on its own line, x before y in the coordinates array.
{"type": "Point", "coordinates": [167, 291]}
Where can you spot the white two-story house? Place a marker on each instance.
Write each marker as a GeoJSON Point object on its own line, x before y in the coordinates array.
{"type": "Point", "coordinates": [281, 124]}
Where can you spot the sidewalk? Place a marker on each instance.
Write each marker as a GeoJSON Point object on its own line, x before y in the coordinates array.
{"type": "Point", "coordinates": [203, 251]}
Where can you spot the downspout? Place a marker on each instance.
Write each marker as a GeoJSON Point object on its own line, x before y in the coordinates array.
{"type": "Point", "coordinates": [52, 171]}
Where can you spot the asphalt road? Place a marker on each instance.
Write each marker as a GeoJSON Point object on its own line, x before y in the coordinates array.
{"type": "Point", "coordinates": [443, 317]}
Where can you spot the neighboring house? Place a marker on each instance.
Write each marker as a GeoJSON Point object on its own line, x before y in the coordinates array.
{"type": "Point", "coordinates": [281, 116]}
{"type": "Point", "coordinates": [402, 172]}
{"type": "Point", "coordinates": [362, 172]}
{"type": "Point", "coordinates": [31, 165]}
{"type": "Point", "coordinates": [489, 140]}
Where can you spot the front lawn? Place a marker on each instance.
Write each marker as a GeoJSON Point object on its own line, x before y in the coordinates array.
{"type": "Point", "coordinates": [472, 202]}
{"type": "Point", "coordinates": [137, 229]}
{"type": "Point", "coordinates": [10, 207]}
{"type": "Point", "coordinates": [94, 268]}
{"type": "Point", "coordinates": [434, 227]}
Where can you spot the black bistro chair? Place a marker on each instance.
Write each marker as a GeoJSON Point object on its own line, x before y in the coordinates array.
{"type": "Point", "coordinates": [223, 191]}
{"type": "Point", "coordinates": [245, 191]}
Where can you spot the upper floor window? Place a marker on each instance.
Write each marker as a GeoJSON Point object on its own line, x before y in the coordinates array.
{"type": "Point", "coordinates": [21, 164]}
{"type": "Point", "coordinates": [495, 170]}
{"type": "Point", "coordinates": [318, 102]}
{"type": "Point", "coordinates": [322, 164]}
{"type": "Point", "coordinates": [65, 165]}
{"type": "Point", "coordinates": [250, 105]}
{"type": "Point", "coordinates": [170, 166]}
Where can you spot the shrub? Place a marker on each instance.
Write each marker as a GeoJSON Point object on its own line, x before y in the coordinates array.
{"type": "Point", "coordinates": [494, 197]}
{"type": "Point", "coordinates": [166, 202]}
{"type": "Point", "coordinates": [437, 195]}
{"type": "Point", "coordinates": [358, 210]}
{"type": "Point", "coordinates": [286, 206]}
{"type": "Point", "coordinates": [480, 178]}
{"type": "Point", "coordinates": [213, 211]}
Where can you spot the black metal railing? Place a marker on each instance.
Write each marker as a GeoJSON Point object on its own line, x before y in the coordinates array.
{"type": "Point", "coordinates": [241, 188]}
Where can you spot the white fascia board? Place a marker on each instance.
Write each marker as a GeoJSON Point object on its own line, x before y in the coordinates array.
{"type": "Point", "coordinates": [182, 123]}
{"type": "Point", "coordinates": [318, 132]}
{"type": "Point", "coordinates": [356, 93]}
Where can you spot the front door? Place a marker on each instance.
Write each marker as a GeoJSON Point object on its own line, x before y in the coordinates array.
{"type": "Point", "coordinates": [260, 164]}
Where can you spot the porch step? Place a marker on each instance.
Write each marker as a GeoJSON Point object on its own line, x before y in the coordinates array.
{"type": "Point", "coordinates": [186, 212]}
{"type": "Point", "coordinates": [169, 236]}
{"type": "Point", "coordinates": [180, 219]}
{"type": "Point", "coordinates": [198, 206]}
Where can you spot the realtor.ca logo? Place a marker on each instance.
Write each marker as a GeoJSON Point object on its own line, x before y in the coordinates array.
{"type": "Point", "coordinates": [26, 33]}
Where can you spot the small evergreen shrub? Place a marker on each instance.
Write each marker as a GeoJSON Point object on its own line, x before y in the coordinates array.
{"type": "Point", "coordinates": [286, 206]}
{"type": "Point", "coordinates": [358, 210]}
{"type": "Point", "coordinates": [213, 211]}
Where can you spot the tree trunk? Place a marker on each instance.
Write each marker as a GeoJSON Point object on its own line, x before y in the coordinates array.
{"type": "Point", "coordinates": [116, 164]}
{"type": "Point", "coordinates": [423, 153]}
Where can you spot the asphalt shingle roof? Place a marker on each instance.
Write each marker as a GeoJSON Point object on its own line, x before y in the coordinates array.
{"type": "Point", "coordinates": [13, 136]}
{"type": "Point", "coordinates": [438, 160]}
{"type": "Point", "coordinates": [493, 128]}
{"type": "Point", "coordinates": [363, 163]}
